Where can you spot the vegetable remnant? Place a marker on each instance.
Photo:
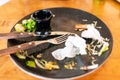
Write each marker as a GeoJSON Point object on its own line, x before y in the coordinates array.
{"type": "Point", "coordinates": [30, 25]}
{"type": "Point", "coordinates": [39, 56]}
{"type": "Point", "coordinates": [19, 28]}
{"type": "Point", "coordinates": [51, 65]}
{"type": "Point", "coordinates": [26, 25]}
{"type": "Point", "coordinates": [21, 54]}
{"type": "Point", "coordinates": [70, 65]}
{"type": "Point", "coordinates": [39, 64]}
{"type": "Point", "coordinates": [46, 65]}
{"type": "Point", "coordinates": [31, 64]}
{"type": "Point", "coordinates": [104, 48]}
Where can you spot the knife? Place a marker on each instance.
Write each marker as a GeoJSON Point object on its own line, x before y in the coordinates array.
{"type": "Point", "coordinates": [15, 35]}
{"type": "Point", "coordinates": [24, 46]}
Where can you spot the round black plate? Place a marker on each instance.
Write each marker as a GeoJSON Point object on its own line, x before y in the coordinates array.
{"type": "Point", "coordinates": [64, 20]}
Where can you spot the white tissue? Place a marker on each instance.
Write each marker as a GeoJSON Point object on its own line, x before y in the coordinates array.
{"type": "Point", "coordinates": [2, 2]}
{"type": "Point", "coordinates": [91, 32]}
{"type": "Point", "coordinates": [74, 45]}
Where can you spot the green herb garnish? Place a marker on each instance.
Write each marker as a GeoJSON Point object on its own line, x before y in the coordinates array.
{"type": "Point", "coordinates": [30, 25]}
{"type": "Point", "coordinates": [31, 64]}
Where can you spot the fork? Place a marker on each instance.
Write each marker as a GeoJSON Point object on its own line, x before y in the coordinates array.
{"type": "Point", "coordinates": [24, 46]}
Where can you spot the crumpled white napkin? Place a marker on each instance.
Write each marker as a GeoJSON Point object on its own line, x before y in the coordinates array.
{"type": "Point", "coordinates": [91, 32]}
{"type": "Point", "coordinates": [74, 45]}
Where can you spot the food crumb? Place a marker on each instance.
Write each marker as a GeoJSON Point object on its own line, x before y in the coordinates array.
{"type": "Point", "coordinates": [39, 56]}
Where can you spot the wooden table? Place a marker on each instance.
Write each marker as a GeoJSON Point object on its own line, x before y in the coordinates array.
{"type": "Point", "coordinates": [107, 10]}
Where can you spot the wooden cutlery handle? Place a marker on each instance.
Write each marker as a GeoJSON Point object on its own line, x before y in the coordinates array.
{"type": "Point", "coordinates": [12, 35]}
{"type": "Point", "coordinates": [17, 48]}
{"type": "Point", "coordinates": [14, 49]}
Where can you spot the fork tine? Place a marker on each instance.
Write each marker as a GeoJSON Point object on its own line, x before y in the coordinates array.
{"type": "Point", "coordinates": [63, 38]}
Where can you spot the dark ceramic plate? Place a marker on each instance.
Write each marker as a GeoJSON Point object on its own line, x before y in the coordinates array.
{"type": "Point", "coordinates": [64, 20]}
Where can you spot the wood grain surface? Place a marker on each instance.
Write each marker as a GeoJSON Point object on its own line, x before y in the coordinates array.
{"type": "Point", "coordinates": [107, 10]}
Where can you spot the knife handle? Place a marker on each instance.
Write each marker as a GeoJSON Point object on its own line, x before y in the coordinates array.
{"type": "Point", "coordinates": [17, 48]}
{"type": "Point", "coordinates": [12, 35]}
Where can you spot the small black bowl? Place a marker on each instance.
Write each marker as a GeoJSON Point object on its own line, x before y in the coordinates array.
{"type": "Point", "coordinates": [43, 19]}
